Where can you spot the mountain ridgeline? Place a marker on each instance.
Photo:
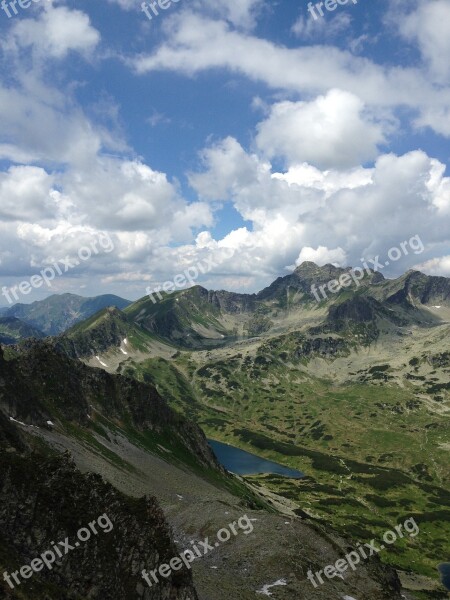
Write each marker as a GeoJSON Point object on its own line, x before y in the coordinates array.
{"type": "Point", "coordinates": [200, 319]}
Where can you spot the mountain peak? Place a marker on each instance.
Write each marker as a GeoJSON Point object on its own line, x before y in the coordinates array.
{"type": "Point", "coordinates": [307, 264]}
{"type": "Point", "coordinates": [309, 268]}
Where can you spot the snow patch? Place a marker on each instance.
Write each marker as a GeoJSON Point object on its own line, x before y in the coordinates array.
{"type": "Point", "coordinates": [437, 306]}
{"type": "Point", "coordinates": [15, 421]}
{"type": "Point", "coordinates": [265, 590]}
{"type": "Point", "coordinates": [348, 598]}
{"type": "Point", "coordinates": [50, 423]}
{"type": "Point", "coordinates": [125, 341]}
{"type": "Point", "coordinates": [123, 351]}
{"type": "Point", "coordinates": [101, 362]}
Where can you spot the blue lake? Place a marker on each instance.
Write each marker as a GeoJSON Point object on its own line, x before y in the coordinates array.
{"type": "Point", "coordinates": [244, 463]}
{"type": "Point", "coordinates": [444, 570]}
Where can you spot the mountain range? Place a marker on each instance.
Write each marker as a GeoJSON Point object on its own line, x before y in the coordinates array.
{"type": "Point", "coordinates": [57, 313]}
{"type": "Point", "coordinates": [353, 390]}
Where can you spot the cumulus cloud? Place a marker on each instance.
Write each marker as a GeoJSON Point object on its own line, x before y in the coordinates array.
{"type": "Point", "coordinates": [428, 25]}
{"type": "Point", "coordinates": [322, 256]}
{"type": "Point", "coordinates": [331, 131]}
{"type": "Point", "coordinates": [54, 33]}
{"type": "Point", "coordinates": [71, 178]}
{"type": "Point", "coordinates": [194, 44]}
{"type": "Point", "coordinates": [436, 266]}
{"type": "Point", "coordinates": [329, 216]}
{"type": "Point", "coordinates": [27, 193]}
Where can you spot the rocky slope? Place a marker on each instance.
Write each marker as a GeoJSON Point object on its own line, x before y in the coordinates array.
{"type": "Point", "coordinates": [40, 384]}
{"type": "Point", "coordinates": [45, 500]}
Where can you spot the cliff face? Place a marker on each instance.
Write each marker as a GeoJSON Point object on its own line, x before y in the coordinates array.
{"type": "Point", "coordinates": [43, 501]}
{"type": "Point", "coordinates": [41, 385]}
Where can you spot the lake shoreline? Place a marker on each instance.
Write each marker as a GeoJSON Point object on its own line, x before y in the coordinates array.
{"type": "Point", "coordinates": [242, 462]}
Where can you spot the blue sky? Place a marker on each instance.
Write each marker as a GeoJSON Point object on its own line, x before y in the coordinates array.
{"type": "Point", "coordinates": [242, 130]}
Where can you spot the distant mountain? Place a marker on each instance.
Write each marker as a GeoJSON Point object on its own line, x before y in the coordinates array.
{"type": "Point", "coordinates": [108, 328]}
{"type": "Point", "coordinates": [200, 318]}
{"type": "Point", "coordinates": [414, 288]}
{"type": "Point", "coordinates": [188, 318]}
{"type": "Point", "coordinates": [12, 330]}
{"type": "Point", "coordinates": [57, 313]}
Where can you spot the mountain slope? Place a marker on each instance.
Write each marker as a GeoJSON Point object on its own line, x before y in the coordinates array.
{"type": "Point", "coordinates": [106, 329]}
{"type": "Point", "coordinates": [57, 313]}
{"type": "Point", "coordinates": [12, 330]}
{"type": "Point", "coordinates": [45, 499]}
{"type": "Point", "coordinates": [415, 288]}
{"type": "Point", "coordinates": [41, 385]}
{"type": "Point", "coordinates": [197, 318]}
{"type": "Point", "coordinates": [188, 318]}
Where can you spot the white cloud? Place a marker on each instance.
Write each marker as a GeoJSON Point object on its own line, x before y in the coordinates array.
{"type": "Point", "coordinates": [229, 169]}
{"type": "Point", "coordinates": [331, 131]}
{"type": "Point", "coordinates": [436, 266]}
{"type": "Point", "coordinates": [428, 25]}
{"type": "Point", "coordinates": [328, 216]}
{"type": "Point", "coordinates": [322, 256]}
{"type": "Point", "coordinates": [26, 193]}
{"type": "Point", "coordinates": [194, 44]}
{"type": "Point", "coordinates": [87, 179]}
{"type": "Point", "coordinates": [52, 130]}
{"type": "Point", "coordinates": [78, 178]}
{"type": "Point", "coordinates": [54, 33]}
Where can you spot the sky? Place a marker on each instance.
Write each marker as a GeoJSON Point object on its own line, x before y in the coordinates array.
{"type": "Point", "coordinates": [235, 138]}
